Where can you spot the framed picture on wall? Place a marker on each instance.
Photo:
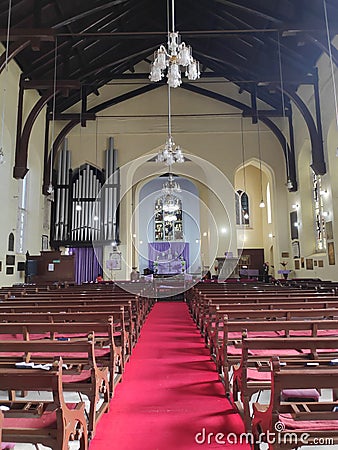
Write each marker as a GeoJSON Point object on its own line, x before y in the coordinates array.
{"type": "Point", "coordinates": [302, 263]}
{"type": "Point", "coordinates": [10, 260]}
{"type": "Point", "coordinates": [320, 263]}
{"type": "Point", "coordinates": [330, 253]}
{"type": "Point", "coordinates": [297, 264]}
{"type": "Point", "coordinates": [114, 261]}
{"type": "Point", "coordinates": [309, 264]}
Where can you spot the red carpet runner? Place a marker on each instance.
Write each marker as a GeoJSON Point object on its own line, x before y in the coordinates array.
{"type": "Point", "coordinates": [170, 392]}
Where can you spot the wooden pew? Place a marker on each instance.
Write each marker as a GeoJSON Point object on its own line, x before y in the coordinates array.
{"type": "Point", "coordinates": [226, 343]}
{"type": "Point", "coordinates": [76, 313]}
{"type": "Point", "coordinates": [253, 373]}
{"type": "Point", "coordinates": [107, 353]}
{"type": "Point", "coordinates": [209, 305]}
{"type": "Point", "coordinates": [132, 320]}
{"type": "Point", "coordinates": [246, 315]}
{"type": "Point", "coordinates": [295, 424]}
{"type": "Point", "coordinates": [82, 374]}
{"type": "Point", "coordinates": [51, 423]}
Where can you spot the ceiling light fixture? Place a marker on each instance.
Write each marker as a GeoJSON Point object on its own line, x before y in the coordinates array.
{"type": "Point", "coordinates": [289, 183]}
{"type": "Point", "coordinates": [170, 152]}
{"type": "Point", "coordinates": [170, 202]}
{"type": "Point", "coordinates": [261, 204]}
{"type": "Point", "coordinates": [176, 58]}
{"type": "Point", "coordinates": [245, 212]}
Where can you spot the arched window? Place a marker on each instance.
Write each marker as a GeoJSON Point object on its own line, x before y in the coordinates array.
{"type": "Point", "coordinates": [11, 242]}
{"type": "Point", "coordinates": [242, 208]}
{"type": "Point", "coordinates": [168, 226]}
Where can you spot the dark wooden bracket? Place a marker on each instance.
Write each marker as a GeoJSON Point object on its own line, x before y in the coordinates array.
{"type": "Point", "coordinates": [23, 38]}
{"type": "Point", "coordinates": [23, 133]}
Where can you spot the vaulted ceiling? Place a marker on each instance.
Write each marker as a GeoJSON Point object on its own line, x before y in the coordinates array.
{"type": "Point", "coordinates": [70, 49]}
{"type": "Point", "coordinates": [247, 42]}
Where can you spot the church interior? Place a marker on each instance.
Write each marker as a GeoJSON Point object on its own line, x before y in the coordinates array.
{"type": "Point", "coordinates": [168, 267]}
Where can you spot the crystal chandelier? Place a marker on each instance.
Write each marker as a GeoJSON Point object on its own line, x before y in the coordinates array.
{"type": "Point", "coordinates": [170, 152]}
{"type": "Point", "coordinates": [170, 202]}
{"type": "Point", "coordinates": [176, 58]}
{"type": "Point", "coordinates": [171, 186]}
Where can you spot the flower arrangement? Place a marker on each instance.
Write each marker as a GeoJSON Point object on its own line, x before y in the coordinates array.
{"type": "Point", "coordinates": [284, 264]}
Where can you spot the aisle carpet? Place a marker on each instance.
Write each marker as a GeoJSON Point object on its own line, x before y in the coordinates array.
{"type": "Point", "coordinates": [170, 392]}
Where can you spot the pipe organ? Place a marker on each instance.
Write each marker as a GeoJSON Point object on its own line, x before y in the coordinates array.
{"type": "Point", "coordinates": [86, 206]}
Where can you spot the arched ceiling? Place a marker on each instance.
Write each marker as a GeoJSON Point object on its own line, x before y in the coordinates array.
{"type": "Point", "coordinates": [242, 41]}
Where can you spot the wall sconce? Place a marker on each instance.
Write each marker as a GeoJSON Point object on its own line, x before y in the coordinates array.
{"type": "Point", "coordinates": [325, 213]}
{"type": "Point", "coordinates": [323, 192]}
{"type": "Point", "coordinates": [295, 206]}
{"type": "Point", "coordinates": [205, 234]}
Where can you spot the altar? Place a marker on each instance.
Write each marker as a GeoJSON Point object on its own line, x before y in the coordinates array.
{"type": "Point", "coordinates": [168, 257]}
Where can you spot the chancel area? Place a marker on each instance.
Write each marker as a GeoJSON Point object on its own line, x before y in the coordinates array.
{"type": "Point", "coordinates": [168, 265]}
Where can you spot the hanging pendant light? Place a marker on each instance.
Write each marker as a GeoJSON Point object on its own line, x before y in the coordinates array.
{"type": "Point", "coordinates": [177, 58]}
{"type": "Point", "coordinates": [170, 153]}
{"type": "Point", "coordinates": [170, 201]}
{"type": "Point", "coordinates": [245, 211]}
{"type": "Point", "coordinates": [289, 182]}
{"type": "Point", "coordinates": [261, 204]}
{"type": "Point", "coordinates": [50, 189]}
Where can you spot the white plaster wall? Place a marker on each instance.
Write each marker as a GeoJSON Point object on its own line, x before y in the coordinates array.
{"type": "Point", "coordinates": [9, 81]}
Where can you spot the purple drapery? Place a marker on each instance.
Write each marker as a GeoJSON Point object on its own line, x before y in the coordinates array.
{"type": "Point", "coordinates": [88, 263]}
{"type": "Point", "coordinates": [169, 256]}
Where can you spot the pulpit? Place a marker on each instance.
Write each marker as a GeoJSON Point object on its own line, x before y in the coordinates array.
{"type": "Point", "coordinates": [227, 267]}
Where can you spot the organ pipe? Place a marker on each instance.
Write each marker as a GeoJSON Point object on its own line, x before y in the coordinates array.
{"type": "Point", "coordinates": [83, 188]}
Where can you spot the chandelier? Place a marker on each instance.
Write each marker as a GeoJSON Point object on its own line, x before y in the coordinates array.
{"type": "Point", "coordinates": [170, 152]}
{"type": "Point", "coordinates": [170, 202]}
{"type": "Point", "coordinates": [177, 58]}
{"type": "Point", "coordinates": [170, 186]}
